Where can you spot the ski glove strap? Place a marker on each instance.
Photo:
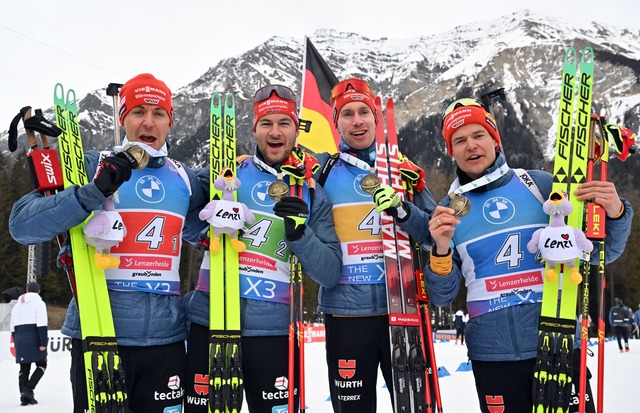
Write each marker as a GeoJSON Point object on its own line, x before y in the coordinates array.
{"type": "Point", "coordinates": [113, 172]}
{"type": "Point", "coordinates": [294, 211]}
{"type": "Point", "coordinates": [387, 200]}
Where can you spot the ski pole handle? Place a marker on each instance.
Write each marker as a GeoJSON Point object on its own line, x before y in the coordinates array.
{"type": "Point", "coordinates": [112, 90]}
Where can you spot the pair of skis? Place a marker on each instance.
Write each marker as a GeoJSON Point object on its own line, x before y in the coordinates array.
{"type": "Point", "coordinates": [553, 370]}
{"type": "Point", "coordinates": [225, 353]}
{"type": "Point", "coordinates": [415, 379]}
{"type": "Point", "coordinates": [105, 376]}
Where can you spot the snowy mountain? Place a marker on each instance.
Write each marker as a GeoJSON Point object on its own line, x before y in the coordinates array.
{"type": "Point", "coordinates": [521, 52]}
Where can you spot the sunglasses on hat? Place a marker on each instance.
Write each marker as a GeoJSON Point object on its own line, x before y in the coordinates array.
{"type": "Point", "coordinates": [265, 93]}
{"type": "Point", "coordinates": [462, 102]}
{"type": "Point", "coordinates": [356, 85]}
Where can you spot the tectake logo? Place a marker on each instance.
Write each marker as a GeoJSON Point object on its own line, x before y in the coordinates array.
{"type": "Point", "coordinates": [282, 385]}
{"type": "Point", "coordinates": [176, 392]}
{"type": "Point", "coordinates": [150, 189]}
{"type": "Point", "coordinates": [498, 210]}
{"type": "Point", "coordinates": [174, 383]}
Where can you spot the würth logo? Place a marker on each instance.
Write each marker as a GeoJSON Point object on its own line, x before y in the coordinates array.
{"type": "Point", "coordinates": [347, 368]}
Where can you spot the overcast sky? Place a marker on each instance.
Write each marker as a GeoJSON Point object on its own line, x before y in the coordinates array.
{"type": "Point", "coordinates": [87, 44]}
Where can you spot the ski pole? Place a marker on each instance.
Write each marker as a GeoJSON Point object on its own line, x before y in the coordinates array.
{"type": "Point", "coordinates": [112, 90]}
{"type": "Point", "coordinates": [45, 171]}
{"type": "Point", "coordinates": [300, 292]}
{"type": "Point", "coordinates": [489, 98]}
{"type": "Point", "coordinates": [432, 385]}
{"type": "Point", "coordinates": [595, 219]}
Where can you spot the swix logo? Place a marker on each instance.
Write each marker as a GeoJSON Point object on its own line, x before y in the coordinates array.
{"type": "Point", "coordinates": [201, 384]}
{"type": "Point", "coordinates": [48, 168]}
{"type": "Point", "coordinates": [346, 368]}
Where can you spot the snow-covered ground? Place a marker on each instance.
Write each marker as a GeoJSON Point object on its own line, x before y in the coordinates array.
{"type": "Point", "coordinates": [458, 391]}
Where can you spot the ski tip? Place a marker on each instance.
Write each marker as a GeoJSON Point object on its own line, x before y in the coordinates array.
{"type": "Point", "coordinates": [71, 97]}
{"type": "Point", "coordinates": [216, 100]}
{"type": "Point", "coordinates": [571, 57]}
{"type": "Point", "coordinates": [229, 100]}
{"type": "Point", "coordinates": [58, 91]}
{"type": "Point", "coordinates": [587, 55]}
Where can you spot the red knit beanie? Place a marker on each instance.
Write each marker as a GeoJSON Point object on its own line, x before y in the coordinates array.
{"type": "Point", "coordinates": [353, 93]}
{"type": "Point", "coordinates": [467, 115]}
{"type": "Point", "coordinates": [274, 104]}
{"type": "Point", "coordinates": [145, 89]}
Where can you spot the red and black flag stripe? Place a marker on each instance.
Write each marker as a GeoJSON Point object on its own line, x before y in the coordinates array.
{"type": "Point", "coordinates": [317, 82]}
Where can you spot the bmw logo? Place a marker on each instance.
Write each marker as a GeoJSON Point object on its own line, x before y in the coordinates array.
{"type": "Point", "coordinates": [357, 188]}
{"type": "Point", "coordinates": [150, 189]}
{"type": "Point", "coordinates": [498, 210]}
{"type": "Point", "coordinates": [259, 194]}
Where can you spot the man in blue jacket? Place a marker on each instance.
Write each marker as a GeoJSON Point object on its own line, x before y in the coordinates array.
{"type": "Point", "coordinates": [489, 245]}
{"type": "Point", "coordinates": [29, 331]}
{"type": "Point", "coordinates": [159, 206]}
{"type": "Point", "coordinates": [356, 307]}
{"type": "Point", "coordinates": [301, 225]}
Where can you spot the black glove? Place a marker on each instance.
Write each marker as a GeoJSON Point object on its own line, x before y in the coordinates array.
{"type": "Point", "coordinates": [113, 172]}
{"type": "Point", "coordinates": [295, 212]}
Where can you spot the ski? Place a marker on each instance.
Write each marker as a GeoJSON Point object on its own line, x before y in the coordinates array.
{"type": "Point", "coordinates": [407, 356]}
{"type": "Point", "coordinates": [553, 370]}
{"type": "Point", "coordinates": [105, 376]}
{"type": "Point", "coordinates": [225, 354]}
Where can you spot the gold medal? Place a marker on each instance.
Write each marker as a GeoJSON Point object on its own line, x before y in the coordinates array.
{"type": "Point", "coordinates": [369, 183]}
{"type": "Point", "coordinates": [461, 205]}
{"type": "Point", "coordinates": [277, 189]}
{"type": "Point", "coordinates": [140, 155]}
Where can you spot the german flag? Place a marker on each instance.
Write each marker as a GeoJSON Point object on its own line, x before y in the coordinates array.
{"type": "Point", "coordinates": [317, 82]}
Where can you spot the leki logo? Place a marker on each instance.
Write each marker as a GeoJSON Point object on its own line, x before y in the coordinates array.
{"type": "Point", "coordinates": [346, 368]}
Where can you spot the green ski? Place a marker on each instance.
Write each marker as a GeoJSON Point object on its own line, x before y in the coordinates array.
{"type": "Point", "coordinates": [105, 377]}
{"type": "Point", "coordinates": [225, 355]}
{"type": "Point", "coordinates": [553, 371]}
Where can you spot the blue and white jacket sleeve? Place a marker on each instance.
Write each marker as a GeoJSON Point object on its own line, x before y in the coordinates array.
{"type": "Point", "coordinates": [36, 218]}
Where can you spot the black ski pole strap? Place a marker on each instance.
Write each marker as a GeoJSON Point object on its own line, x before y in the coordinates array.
{"type": "Point", "coordinates": [40, 124]}
{"type": "Point", "coordinates": [13, 129]}
{"type": "Point", "coordinates": [327, 168]}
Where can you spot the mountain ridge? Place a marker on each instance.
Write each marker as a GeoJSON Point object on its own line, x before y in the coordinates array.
{"type": "Point", "coordinates": [521, 52]}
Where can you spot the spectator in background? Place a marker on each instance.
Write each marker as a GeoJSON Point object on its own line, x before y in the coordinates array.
{"type": "Point", "coordinates": [620, 320]}
{"type": "Point", "coordinates": [29, 331]}
{"type": "Point", "coordinates": [459, 323]}
{"type": "Point", "coordinates": [636, 322]}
